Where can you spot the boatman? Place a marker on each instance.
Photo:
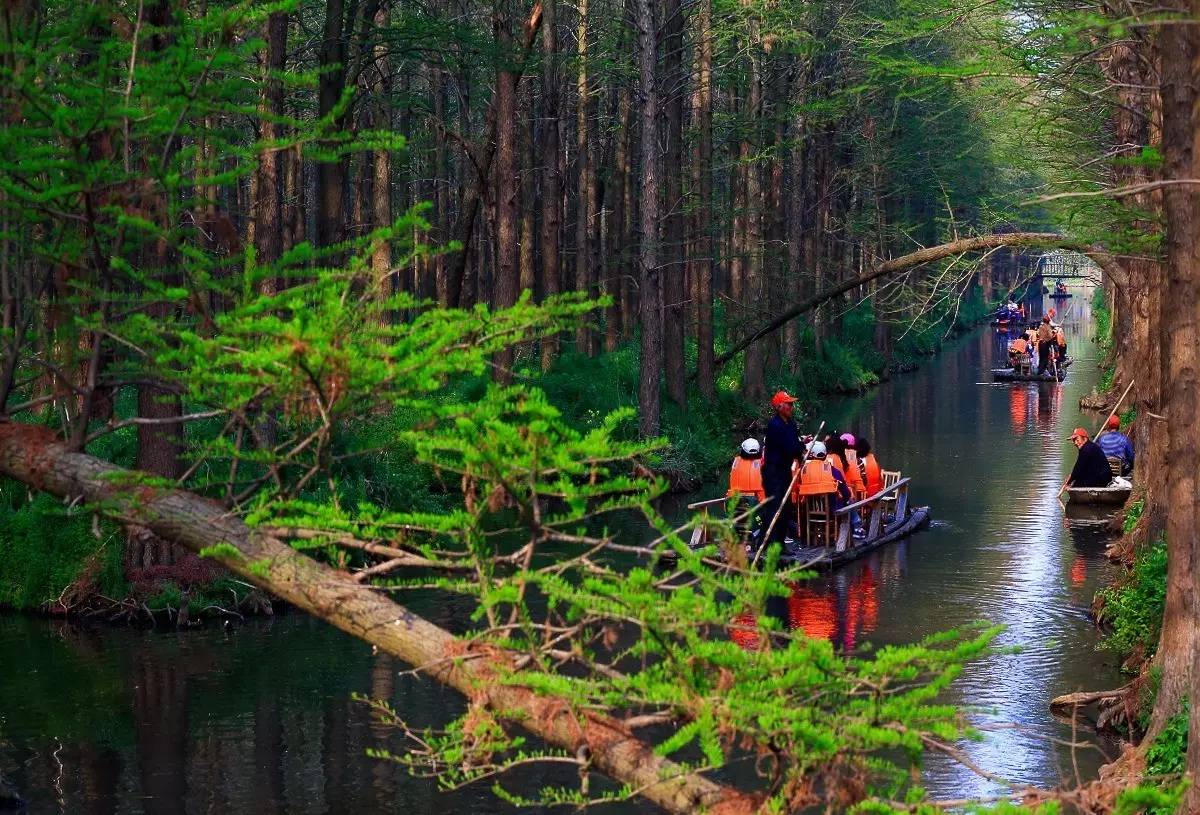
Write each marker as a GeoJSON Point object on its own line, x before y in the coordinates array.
{"type": "Point", "coordinates": [1045, 338]}
{"type": "Point", "coordinates": [783, 448]}
{"type": "Point", "coordinates": [1091, 468]}
{"type": "Point", "coordinates": [1116, 444]}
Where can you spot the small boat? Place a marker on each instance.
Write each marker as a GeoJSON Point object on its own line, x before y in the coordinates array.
{"type": "Point", "coordinates": [1059, 295]}
{"type": "Point", "coordinates": [1010, 375]}
{"type": "Point", "coordinates": [1114, 494]}
{"type": "Point", "coordinates": [821, 556]}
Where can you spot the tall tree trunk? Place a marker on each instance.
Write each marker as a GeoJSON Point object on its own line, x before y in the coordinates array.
{"type": "Point", "coordinates": [650, 292]}
{"type": "Point", "coordinates": [754, 291]}
{"type": "Point", "coordinates": [381, 180]}
{"type": "Point", "coordinates": [507, 274]}
{"type": "Point", "coordinates": [268, 203]}
{"type": "Point", "coordinates": [674, 297]}
{"type": "Point", "coordinates": [702, 264]}
{"type": "Point", "coordinates": [528, 275]}
{"type": "Point", "coordinates": [1180, 342]}
{"type": "Point", "coordinates": [551, 171]}
{"type": "Point", "coordinates": [331, 175]}
{"type": "Point", "coordinates": [585, 199]}
{"type": "Point", "coordinates": [617, 283]}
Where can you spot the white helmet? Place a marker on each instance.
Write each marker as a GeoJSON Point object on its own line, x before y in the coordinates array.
{"type": "Point", "coordinates": [818, 449]}
{"type": "Point", "coordinates": [751, 448]}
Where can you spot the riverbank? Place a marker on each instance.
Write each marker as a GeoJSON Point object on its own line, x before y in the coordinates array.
{"type": "Point", "coordinates": [60, 561]}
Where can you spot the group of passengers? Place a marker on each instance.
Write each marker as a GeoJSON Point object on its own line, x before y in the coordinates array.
{"type": "Point", "coordinates": [788, 468]}
{"type": "Point", "coordinates": [1109, 455]}
{"type": "Point", "coordinates": [1048, 341]}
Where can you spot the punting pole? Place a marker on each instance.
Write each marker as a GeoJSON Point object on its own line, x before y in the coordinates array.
{"type": "Point", "coordinates": [1099, 429]}
{"type": "Point", "coordinates": [783, 500]}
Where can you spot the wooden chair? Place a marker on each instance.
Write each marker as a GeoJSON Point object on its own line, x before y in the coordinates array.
{"type": "Point", "coordinates": [888, 502]}
{"type": "Point", "coordinates": [820, 518]}
{"type": "Point", "coordinates": [1116, 465]}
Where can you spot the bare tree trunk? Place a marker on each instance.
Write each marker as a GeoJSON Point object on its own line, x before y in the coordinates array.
{"type": "Point", "coordinates": [331, 175]}
{"type": "Point", "coordinates": [551, 171]}
{"type": "Point", "coordinates": [381, 181]}
{"type": "Point", "coordinates": [617, 283]}
{"type": "Point", "coordinates": [507, 276]}
{"type": "Point", "coordinates": [675, 315]}
{"type": "Point", "coordinates": [585, 199]}
{"type": "Point", "coordinates": [702, 264]}
{"type": "Point", "coordinates": [528, 276]}
{"type": "Point", "coordinates": [754, 289]}
{"type": "Point", "coordinates": [268, 202]}
{"type": "Point", "coordinates": [650, 307]}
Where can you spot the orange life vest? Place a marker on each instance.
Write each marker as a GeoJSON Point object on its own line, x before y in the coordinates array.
{"type": "Point", "coordinates": [1060, 338]}
{"type": "Point", "coordinates": [745, 478]}
{"type": "Point", "coordinates": [851, 473]}
{"type": "Point", "coordinates": [874, 474]}
{"type": "Point", "coordinates": [1018, 346]}
{"type": "Point", "coordinates": [816, 478]}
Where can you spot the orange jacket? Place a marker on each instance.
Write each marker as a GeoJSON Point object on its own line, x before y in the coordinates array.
{"type": "Point", "coordinates": [816, 478]}
{"type": "Point", "coordinates": [874, 474]}
{"type": "Point", "coordinates": [850, 471]}
{"type": "Point", "coordinates": [745, 478]}
{"type": "Point", "coordinates": [1018, 346]}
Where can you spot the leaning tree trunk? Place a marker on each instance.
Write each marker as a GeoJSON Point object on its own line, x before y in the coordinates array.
{"type": "Point", "coordinates": [34, 456]}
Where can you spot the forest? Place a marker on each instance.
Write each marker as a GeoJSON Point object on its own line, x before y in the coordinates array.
{"type": "Point", "coordinates": [351, 301]}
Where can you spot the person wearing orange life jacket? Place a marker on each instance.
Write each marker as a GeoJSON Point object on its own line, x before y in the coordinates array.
{"type": "Point", "coordinates": [836, 446]}
{"type": "Point", "coordinates": [745, 476]}
{"type": "Point", "coordinates": [1060, 337]}
{"type": "Point", "coordinates": [872, 472]}
{"type": "Point", "coordinates": [816, 476]}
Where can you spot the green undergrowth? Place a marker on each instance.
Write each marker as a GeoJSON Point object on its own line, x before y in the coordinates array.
{"type": "Point", "coordinates": [1133, 609]}
{"type": "Point", "coordinates": [1104, 340]}
{"type": "Point", "coordinates": [1166, 761]}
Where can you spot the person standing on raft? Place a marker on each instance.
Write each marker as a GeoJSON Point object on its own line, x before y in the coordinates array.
{"type": "Point", "coordinates": [1045, 339]}
{"type": "Point", "coordinates": [783, 447]}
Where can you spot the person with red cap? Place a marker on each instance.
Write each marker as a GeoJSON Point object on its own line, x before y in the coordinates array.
{"type": "Point", "coordinates": [1091, 468]}
{"type": "Point", "coordinates": [782, 447]}
{"type": "Point", "coordinates": [1116, 444]}
{"type": "Point", "coordinates": [1045, 339]}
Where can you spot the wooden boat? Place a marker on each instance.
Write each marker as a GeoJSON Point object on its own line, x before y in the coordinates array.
{"type": "Point", "coordinates": [1010, 375]}
{"type": "Point", "coordinates": [1059, 295]}
{"type": "Point", "coordinates": [1115, 494]}
{"type": "Point", "coordinates": [821, 556]}
{"type": "Point", "coordinates": [905, 520]}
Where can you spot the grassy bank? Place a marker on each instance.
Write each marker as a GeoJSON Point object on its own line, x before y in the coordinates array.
{"type": "Point", "coordinates": [52, 555]}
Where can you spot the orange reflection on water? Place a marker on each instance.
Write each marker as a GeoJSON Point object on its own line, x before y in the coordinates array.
{"type": "Point", "coordinates": [1018, 408]}
{"type": "Point", "coordinates": [1078, 571]}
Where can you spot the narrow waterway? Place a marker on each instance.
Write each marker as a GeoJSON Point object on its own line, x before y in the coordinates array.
{"type": "Point", "coordinates": [261, 721]}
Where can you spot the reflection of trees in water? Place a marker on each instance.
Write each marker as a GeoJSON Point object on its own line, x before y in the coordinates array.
{"type": "Point", "coordinates": [160, 716]}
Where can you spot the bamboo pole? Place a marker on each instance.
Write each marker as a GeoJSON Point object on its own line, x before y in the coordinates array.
{"type": "Point", "coordinates": [783, 499]}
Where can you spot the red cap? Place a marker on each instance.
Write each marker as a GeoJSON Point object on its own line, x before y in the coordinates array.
{"type": "Point", "coordinates": [1113, 423]}
{"type": "Point", "coordinates": [782, 398]}
{"type": "Point", "coordinates": [1079, 433]}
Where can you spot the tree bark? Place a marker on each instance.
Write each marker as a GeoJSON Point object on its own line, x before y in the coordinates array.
{"type": "Point", "coordinates": [702, 263]}
{"type": "Point", "coordinates": [650, 292]}
{"type": "Point", "coordinates": [585, 199]}
{"type": "Point", "coordinates": [674, 297]}
{"type": "Point", "coordinates": [381, 181]}
{"type": "Point", "coordinates": [507, 248]}
{"type": "Point", "coordinates": [753, 291]}
{"type": "Point", "coordinates": [33, 456]}
{"type": "Point", "coordinates": [331, 175]}
{"type": "Point", "coordinates": [551, 171]}
{"type": "Point", "coordinates": [268, 203]}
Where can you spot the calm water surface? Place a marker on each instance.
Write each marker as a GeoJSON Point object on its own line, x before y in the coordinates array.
{"type": "Point", "coordinates": [260, 721]}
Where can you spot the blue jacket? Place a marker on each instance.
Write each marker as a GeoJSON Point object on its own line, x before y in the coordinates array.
{"type": "Point", "coordinates": [1116, 445]}
{"type": "Point", "coordinates": [782, 447]}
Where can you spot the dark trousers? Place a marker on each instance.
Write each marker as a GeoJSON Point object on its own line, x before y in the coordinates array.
{"type": "Point", "coordinates": [1044, 355]}
{"type": "Point", "coordinates": [767, 514]}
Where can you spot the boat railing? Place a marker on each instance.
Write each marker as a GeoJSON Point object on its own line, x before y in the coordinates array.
{"type": "Point", "coordinates": [876, 522]}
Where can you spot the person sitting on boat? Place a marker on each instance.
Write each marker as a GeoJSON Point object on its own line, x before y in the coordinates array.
{"type": "Point", "coordinates": [871, 471]}
{"type": "Point", "coordinates": [1116, 444]}
{"type": "Point", "coordinates": [1018, 352]}
{"type": "Point", "coordinates": [745, 476]}
{"type": "Point", "coordinates": [819, 476]}
{"type": "Point", "coordinates": [783, 448]}
{"type": "Point", "coordinates": [1060, 337]}
{"type": "Point", "coordinates": [836, 447]}
{"type": "Point", "coordinates": [1091, 468]}
{"type": "Point", "coordinates": [1045, 339]}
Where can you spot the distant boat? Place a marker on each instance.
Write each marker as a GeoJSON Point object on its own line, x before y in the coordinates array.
{"type": "Point", "coordinates": [1011, 375]}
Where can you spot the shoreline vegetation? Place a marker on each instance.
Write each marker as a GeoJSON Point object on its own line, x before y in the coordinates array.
{"type": "Point", "coordinates": [60, 562]}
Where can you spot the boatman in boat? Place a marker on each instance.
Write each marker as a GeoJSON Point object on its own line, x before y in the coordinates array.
{"type": "Point", "coordinates": [1045, 338]}
{"type": "Point", "coordinates": [783, 447]}
{"type": "Point", "coordinates": [1091, 468]}
{"type": "Point", "coordinates": [1116, 444]}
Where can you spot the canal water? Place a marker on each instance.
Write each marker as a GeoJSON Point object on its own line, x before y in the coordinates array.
{"type": "Point", "coordinates": [261, 720]}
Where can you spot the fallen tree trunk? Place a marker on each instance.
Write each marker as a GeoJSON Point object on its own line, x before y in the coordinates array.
{"type": "Point", "coordinates": [35, 456]}
{"type": "Point", "coordinates": [919, 258]}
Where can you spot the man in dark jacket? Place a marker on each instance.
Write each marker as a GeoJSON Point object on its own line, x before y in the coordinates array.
{"type": "Point", "coordinates": [782, 447]}
{"type": "Point", "coordinates": [1091, 468]}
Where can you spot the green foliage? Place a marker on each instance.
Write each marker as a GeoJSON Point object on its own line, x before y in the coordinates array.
{"type": "Point", "coordinates": [45, 548]}
{"type": "Point", "coordinates": [1133, 610]}
{"type": "Point", "coordinates": [1168, 754]}
{"type": "Point", "coordinates": [1132, 515]}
